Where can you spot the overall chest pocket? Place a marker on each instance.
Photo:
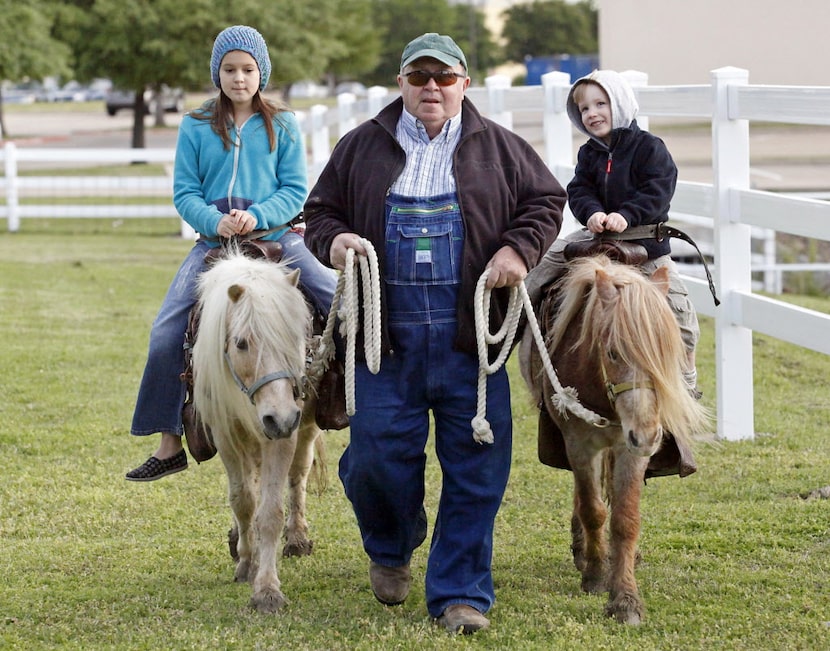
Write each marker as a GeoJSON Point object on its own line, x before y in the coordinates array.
{"type": "Point", "coordinates": [424, 251]}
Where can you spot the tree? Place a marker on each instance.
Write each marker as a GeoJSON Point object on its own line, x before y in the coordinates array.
{"type": "Point", "coordinates": [398, 22]}
{"type": "Point", "coordinates": [146, 43]}
{"type": "Point", "coordinates": [475, 40]}
{"type": "Point", "coordinates": [27, 48]}
{"type": "Point", "coordinates": [547, 27]}
{"type": "Point", "coordinates": [357, 38]}
{"type": "Point", "coordinates": [140, 44]}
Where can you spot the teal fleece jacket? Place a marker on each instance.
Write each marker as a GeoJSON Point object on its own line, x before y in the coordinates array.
{"type": "Point", "coordinates": [209, 180]}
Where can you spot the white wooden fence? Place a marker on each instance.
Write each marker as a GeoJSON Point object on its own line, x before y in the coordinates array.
{"type": "Point", "coordinates": [728, 204]}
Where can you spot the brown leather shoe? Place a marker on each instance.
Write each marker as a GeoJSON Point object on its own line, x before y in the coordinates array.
{"type": "Point", "coordinates": [461, 618]}
{"type": "Point", "coordinates": [390, 584]}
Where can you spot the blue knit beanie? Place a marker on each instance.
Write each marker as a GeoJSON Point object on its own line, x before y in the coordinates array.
{"type": "Point", "coordinates": [247, 39]}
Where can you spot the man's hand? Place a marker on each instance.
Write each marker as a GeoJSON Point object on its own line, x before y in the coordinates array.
{"type": "Point", "coordinates": [340, 245]}
{"type": "Point", "coordinates": [507, 269]}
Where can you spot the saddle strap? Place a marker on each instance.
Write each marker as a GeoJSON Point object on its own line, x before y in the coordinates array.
{"type": "Point", "coordinates": [660, 232]}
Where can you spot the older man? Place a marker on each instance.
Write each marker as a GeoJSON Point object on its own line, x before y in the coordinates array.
{"type": "Point", "coordinates": [442, 194]}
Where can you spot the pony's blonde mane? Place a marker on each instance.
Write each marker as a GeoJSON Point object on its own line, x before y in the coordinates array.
{"type": "Point", "coordinates": [640, 328]}
{"type": "Point", "coordinates": [270, 313]}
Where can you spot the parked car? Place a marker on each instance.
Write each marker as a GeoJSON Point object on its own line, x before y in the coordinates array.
{"type": "Point", "coordinates": [307, 89]}
{"type": "Point", "coordinates": [172, 100]}
{"type": "Point", "coordinates": [19, 94]}
{"type": "Point", "coordinates": [71, 91]}
{"type": "Point", "coordinates": [354, 87]}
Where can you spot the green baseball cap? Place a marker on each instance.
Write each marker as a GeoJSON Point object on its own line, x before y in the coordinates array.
{"type": "Point", "coordinates": [435, 46]}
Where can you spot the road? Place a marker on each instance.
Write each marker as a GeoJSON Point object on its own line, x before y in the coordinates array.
{"type": "Point", "coordinates": [50, 128]}
{"type": "Point", "coordinates": [789, 158]}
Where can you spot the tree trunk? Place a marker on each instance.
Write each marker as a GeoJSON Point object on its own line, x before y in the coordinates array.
{"type": "Point", "coordinates": [139, 110]}
{"type": "Point", "coordinates": [159, 108]}
{"type": "Point", "coordinates": [2, 117]}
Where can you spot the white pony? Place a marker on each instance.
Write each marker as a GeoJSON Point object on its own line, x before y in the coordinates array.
{"type": "Point", "coordinates": [248, 363]}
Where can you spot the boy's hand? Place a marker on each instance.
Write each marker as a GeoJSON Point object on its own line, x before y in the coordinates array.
{"type": "Point", "coordinates": [599, 222]}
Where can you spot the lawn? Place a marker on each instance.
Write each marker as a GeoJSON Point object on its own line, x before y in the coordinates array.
{"type": "Point", "coordinates": [737, 556]}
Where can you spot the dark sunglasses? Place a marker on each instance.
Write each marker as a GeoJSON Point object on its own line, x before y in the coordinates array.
{"type": "Point", "coordinates": [442, 77]}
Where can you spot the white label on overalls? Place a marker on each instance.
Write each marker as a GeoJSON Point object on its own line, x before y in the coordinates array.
{"type": "Point", "coordinates": [423, 256]}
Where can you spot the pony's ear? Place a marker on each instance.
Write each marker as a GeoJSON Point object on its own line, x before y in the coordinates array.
{"type": "Point", "coordinates": [606, 289]}
{"type": "Point", "coordinates": [661, 279]}
{"type": "Point", "coordinates": [293, 277]}
{"type": "Point", "coordinates": [235, 291]}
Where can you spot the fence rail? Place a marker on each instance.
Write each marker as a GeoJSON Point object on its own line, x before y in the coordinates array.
{"type": "Point", "coordinates": [734, 212]}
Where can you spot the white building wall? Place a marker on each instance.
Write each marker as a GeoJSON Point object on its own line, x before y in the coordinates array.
{"type": "Point", "coordinates": [679, 42]}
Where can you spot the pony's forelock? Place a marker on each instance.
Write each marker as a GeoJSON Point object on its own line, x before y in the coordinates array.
{"type": "Point", "coordinates": [270, 311]}
{"type": "Point", "coordinates": [641, 329]}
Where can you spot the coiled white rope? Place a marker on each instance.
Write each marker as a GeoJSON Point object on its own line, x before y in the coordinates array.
{"type": "Point", "coordinates": [347, 298]}
{"type": "Point", "coordinates": [565, 398]}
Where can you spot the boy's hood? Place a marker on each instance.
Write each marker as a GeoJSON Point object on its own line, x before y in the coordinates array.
{"type": "Point", "coordinates": [624, 107]}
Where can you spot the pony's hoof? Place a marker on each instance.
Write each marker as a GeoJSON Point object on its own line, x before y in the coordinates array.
{"type": "Point", "coordinates": [243, 569]}
{"type": "Point", "coordinates": [268, 602]}
{"type": "Point", "coordinates": [626, 610]}
{"type": "Point", "coordinates": [298, 548]}
{"type": "Point", "coordinates": [593, 585]}
{"type": "Point", "coordinates": [233, 542]}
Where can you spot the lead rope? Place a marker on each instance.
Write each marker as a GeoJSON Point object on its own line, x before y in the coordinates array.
{"type": "Point", "coordinates": [565, 398]}
{"type": "Point", "coordinates": [349, 312]}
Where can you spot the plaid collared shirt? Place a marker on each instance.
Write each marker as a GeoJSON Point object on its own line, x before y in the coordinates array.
{"type": "Point", "coordinates": [428, 171]}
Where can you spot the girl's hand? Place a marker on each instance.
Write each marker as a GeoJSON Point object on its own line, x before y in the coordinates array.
{"type": "Point", "coordinates": [226, 227]}
{"type": "Point", "coordinates": [243, 222]}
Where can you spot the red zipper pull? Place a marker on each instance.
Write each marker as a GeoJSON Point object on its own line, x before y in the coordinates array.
{"type": "Point", "coordinates": [608, 164]}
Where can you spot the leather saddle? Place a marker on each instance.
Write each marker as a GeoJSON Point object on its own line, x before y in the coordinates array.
{"type": "Point", "coordinates": [616, 249]}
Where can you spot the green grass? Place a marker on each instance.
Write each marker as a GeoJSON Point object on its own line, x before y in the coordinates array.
{"type": "Point", "coordinates": [734, 558]}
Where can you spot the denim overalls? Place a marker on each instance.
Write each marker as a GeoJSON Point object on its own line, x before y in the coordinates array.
{"type": "Point", "coordinates": [383, 467]}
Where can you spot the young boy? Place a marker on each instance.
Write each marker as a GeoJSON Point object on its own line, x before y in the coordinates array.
{"type": "Point", "coordinates": [624, 178]}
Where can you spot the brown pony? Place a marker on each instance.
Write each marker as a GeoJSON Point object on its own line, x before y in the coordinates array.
{"type": "Point", "coordinates": [248, 365]}
{"type": "Point", "coordinates": [612, 338]}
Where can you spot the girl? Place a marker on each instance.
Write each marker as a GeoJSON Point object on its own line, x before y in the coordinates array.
{"type": "Point", "coordinates": [240, 166]}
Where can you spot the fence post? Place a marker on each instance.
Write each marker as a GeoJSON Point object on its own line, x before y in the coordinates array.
{"type": "Point", "coordinates": [558, 135]}
{"type": "Point", "coordinates": [346, 120]}
{"type": "Point", "coordinates": [320, 148]}
{"type": "Point", "coordinates": [637, 80]}
{"type": "Point", "coordinates": [733, 260]}
{"type": "Point", "coordinates": [497, 85]}
{"type": "Point", "coordinates": [12, 195]}
{"type": "Point", "coordinates": [556, 124]}
{"type": "Point", "coordinates": [375, 97]}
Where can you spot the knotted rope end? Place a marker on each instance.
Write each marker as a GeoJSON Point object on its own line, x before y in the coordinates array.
{"type": "Point", "coordinates": [565, 401]}
{"type": "Point", "coordinates": [481, 431]}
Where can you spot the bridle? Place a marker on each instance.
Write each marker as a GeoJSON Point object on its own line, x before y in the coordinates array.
{"type": "Point", "coordinates": [613, 390]}
{"type": "Point", "coordinates": [296, 381]}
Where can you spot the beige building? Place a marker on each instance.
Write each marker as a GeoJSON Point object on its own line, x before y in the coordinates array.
{"type": "Point", "coordinates": [679, 42]}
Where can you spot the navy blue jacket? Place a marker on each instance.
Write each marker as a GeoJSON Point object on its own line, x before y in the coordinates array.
{"type": "Point", "coordinates": [635, 176]}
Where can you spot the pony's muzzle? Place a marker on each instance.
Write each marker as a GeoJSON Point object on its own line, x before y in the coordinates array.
{"type": "Point", "coordinates": [276, 428]}
{"type": "Point", "coordinates": [642, 446]}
